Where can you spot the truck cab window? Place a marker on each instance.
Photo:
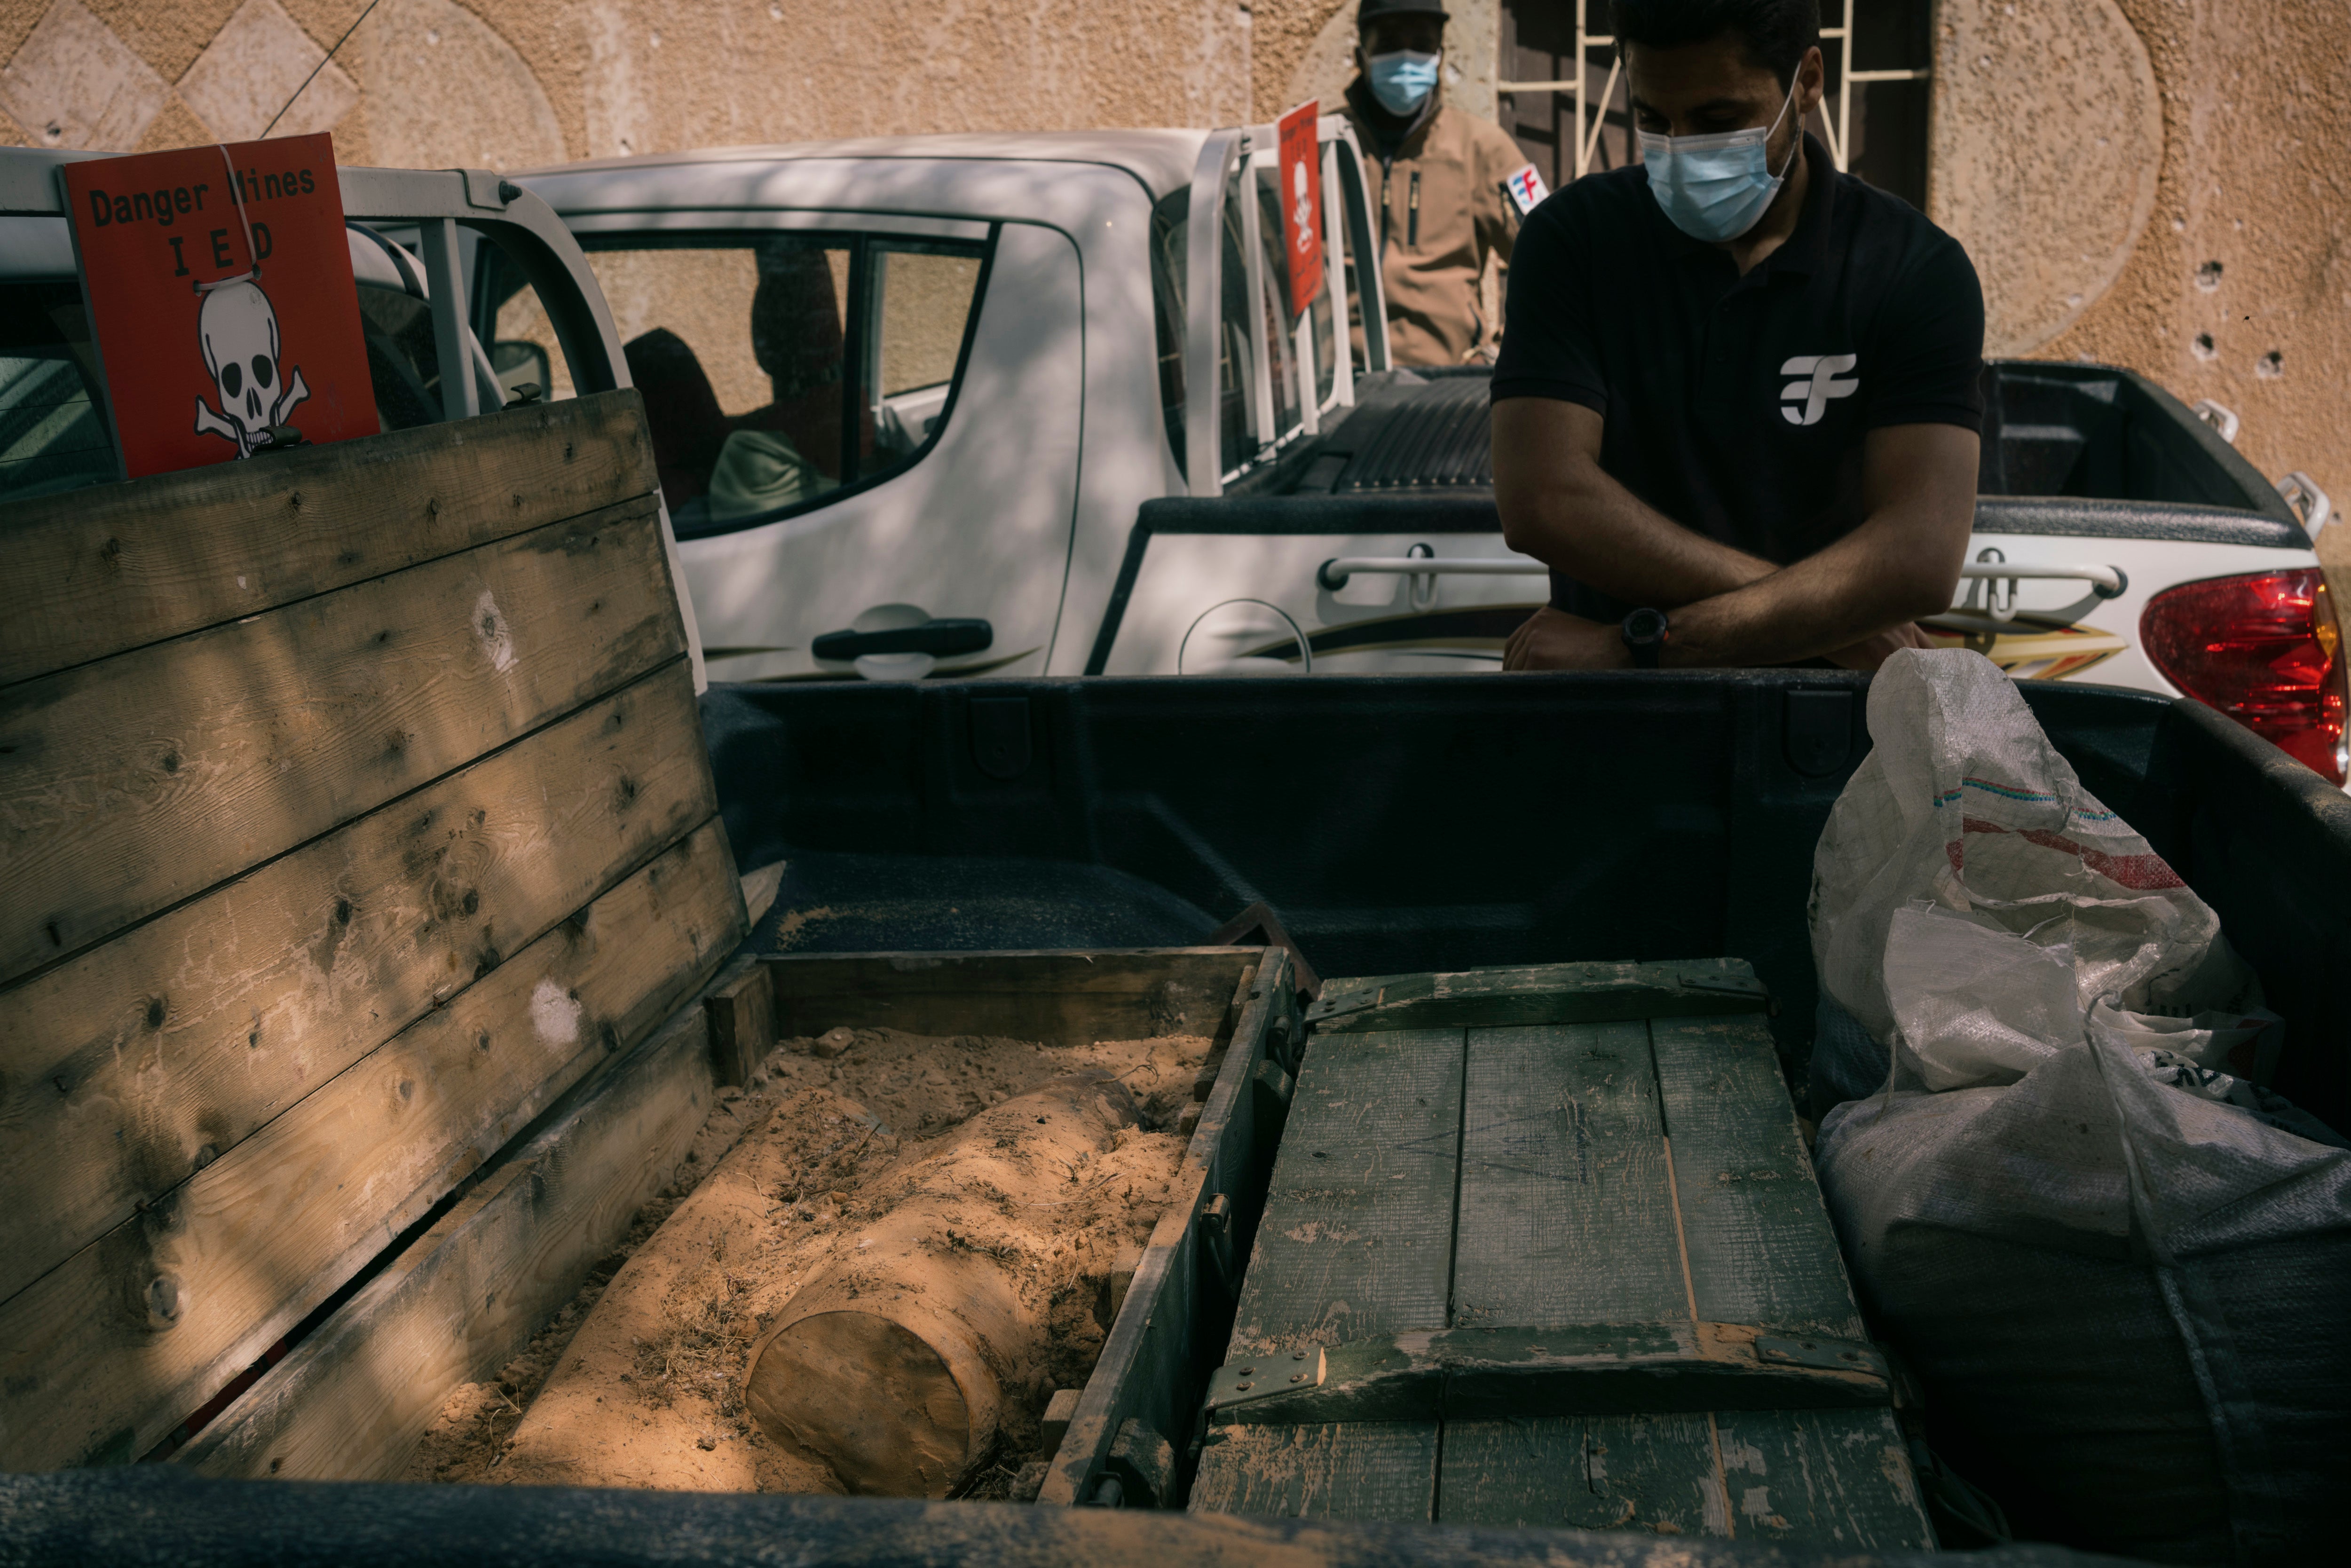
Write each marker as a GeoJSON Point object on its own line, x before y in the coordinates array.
{"type": "Point", "coordinates": [779, 371]}
{"type": "Point", "coordinates": [404, 362]}
{"type": "Point", "coordinates": [396, 323]}
{"type": "Point", "coordinates": [523, 346]}
{"type": "Point", "coordinates": [925, 294]}
{"type": "Point", "coordinates": [52, 431]}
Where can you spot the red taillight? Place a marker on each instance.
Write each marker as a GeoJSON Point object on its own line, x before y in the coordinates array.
{"type": "Point", "coordinates": [2262, 649]}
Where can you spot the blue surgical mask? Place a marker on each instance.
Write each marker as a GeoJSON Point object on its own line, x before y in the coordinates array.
{"type": "Point", "coordinates": [1402, 80]}
{"type": "Point", "coordinates": [1716, 187]}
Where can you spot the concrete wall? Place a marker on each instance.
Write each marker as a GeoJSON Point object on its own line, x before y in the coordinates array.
{"type": "Point", "coordinates": [513, 83]}
{"type": "Point", "coordinates": [2163, 184]}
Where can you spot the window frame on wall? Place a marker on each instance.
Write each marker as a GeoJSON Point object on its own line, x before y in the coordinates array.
{"type": "Point", "coordinates": [863, 240]}
{"type": "Point", "coordinates": [1879, 55]}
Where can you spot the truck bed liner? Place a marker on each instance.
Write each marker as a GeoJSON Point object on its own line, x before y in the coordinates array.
{"type": "Point", "coordinates": [1427, 822]}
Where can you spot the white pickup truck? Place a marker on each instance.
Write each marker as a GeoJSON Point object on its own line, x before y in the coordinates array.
{"type": "Point", "coordinates": [1032, 405]}
{"type": "Point", "coordinates": [1028, 405]}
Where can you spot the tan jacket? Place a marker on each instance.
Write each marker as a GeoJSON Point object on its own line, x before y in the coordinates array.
{"type": "Point", "coordinates": [1454, 165]}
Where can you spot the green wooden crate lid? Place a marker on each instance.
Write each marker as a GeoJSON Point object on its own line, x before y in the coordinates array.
{"type": "Point", "coordinates": [1517, 1154]}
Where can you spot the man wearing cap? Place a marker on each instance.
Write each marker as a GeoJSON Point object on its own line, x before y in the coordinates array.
{"type": "Point", "coordinates": [1438, 175]}
{"type": "Point", "coordinates": [1738, 405]}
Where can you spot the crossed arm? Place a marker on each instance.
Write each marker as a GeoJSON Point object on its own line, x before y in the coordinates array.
{"type": "Point", "coordinates": [1853, 602]}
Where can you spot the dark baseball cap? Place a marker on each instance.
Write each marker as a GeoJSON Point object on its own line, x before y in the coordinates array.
{"type": "Point", "coordinates": [1370, 11]}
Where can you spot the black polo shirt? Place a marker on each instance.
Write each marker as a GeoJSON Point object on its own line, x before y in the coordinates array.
{"type": "Point", "coordinates": [1737, 406]}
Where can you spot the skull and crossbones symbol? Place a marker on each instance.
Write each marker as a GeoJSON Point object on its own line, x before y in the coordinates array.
{"type": "Point", "coordinates": [238, 329]}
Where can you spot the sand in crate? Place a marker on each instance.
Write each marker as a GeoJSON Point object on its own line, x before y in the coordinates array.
{"type": "Point", "coordinates": [648, 1393]}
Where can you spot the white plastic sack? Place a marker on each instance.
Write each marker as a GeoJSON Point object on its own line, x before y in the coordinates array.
{"type": "Point", "coordinates": [1971, 901]}
{"type": "Point", "coordinates": [2119, 1268]}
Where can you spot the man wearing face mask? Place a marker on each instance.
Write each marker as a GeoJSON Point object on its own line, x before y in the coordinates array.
{"type": "Point", "coordinates": [1437, 178]}
{"type": "Point", "coordinates": [1737, 405]}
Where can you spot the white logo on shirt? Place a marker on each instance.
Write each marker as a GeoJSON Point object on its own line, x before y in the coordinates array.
{"type": "Point", "coordinates": [1815, 395]}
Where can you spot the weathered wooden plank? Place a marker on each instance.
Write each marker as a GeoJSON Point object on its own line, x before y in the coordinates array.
{"type": "Point", "coordinates": [1379, 1469]}
{"type": "Point", "coordinates": [1358, 1229]}
{"type": "Point", "coordinates": [1097, 994]}
{"type": "Point", "coordinates": [127, 1069]}
{"type": "Point", "coordinates": [1150, 1358]}
{"type": "Point", "coordinates": [1586, 1369]}
{"type": "Point", "coordinates": [1566, 1213]}
{"type": "Point", "coordinates": [1539, 994]}
{"type": "Point", "coordinates": [1805, 1479]}
{"type": "Point", "coordinates": [1356, 1241]}
{"type": "Point", "coordinates": [1820, 1478]}
{"type": "Point", "coordinates": [1259, 926]}
{"type": "Point", "coordinates": [1653, 1473]}
{"type": "Point", "coordinates": [742, 1007]}
{"type": "Point", "coordinates": [144, 779]}
{"type": "Point", "coordinates": [1761, 1249]}
{"type": "Point", "coordinates": [99, 571]}
{"type": "Point", "coordinates": [105, 1353]}
{"type": "Point", "coordinates": [1755, 1258]}
{"type": "Point", "coordinates": [350, 1401]}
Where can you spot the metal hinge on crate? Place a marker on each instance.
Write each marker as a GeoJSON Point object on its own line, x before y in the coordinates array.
{"type": "Point", "coordinates": [1596, 1369]}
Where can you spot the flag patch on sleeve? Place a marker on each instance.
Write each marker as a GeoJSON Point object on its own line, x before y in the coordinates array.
{"type": "Point", "coordinates": [1525, 190]}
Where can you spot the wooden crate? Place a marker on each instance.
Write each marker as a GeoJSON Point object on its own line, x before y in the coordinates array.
{"type": "Point", "coordinates": [1544, 1248]}
{"type": "Point", "coordinates": [1134, 1419]}
{"type": "Point", "coordinates": [355, 809]}
{"type": "Point", "coordinates": [354, 1397]}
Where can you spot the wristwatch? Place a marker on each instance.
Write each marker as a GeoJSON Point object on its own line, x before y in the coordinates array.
{"type": "Point", "coordinates": [1645, 634]}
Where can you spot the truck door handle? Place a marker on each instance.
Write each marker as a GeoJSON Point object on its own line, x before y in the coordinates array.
{"type": "Point", "coordinates": [1334, 574]}
{"type": "Point", "coordinates": [939, 638]}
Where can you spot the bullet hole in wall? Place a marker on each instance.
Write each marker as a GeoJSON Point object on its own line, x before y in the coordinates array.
{"type": "Point", "coordinates": [2203, 347]}
{"type": "Point", "coordinates": [2270, 366]}
{"type": "Point", "coordinates": [2207, 277]}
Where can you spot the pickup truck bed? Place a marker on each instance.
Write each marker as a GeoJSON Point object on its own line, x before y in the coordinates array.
{"type": "Point", "coordinates": [1400, 824]}
{"type": "Point", "coordinates": [2050, 430]}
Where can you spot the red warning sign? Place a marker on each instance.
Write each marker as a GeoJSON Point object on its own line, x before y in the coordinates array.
{"type": "Point", "coordinates": [219, 285]}
{"type": "Point", "coordinates": [1301, 204]}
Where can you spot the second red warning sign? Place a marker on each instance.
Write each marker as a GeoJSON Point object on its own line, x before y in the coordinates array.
{"type": "Point", "coordinates": [1301, 204]}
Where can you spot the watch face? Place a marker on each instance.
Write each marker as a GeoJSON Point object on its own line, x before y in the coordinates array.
{"type": "Point", "coordinates": [1644, 626]}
